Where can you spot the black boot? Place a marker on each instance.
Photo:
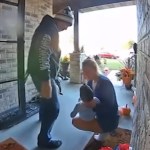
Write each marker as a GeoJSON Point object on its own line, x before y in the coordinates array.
{"type": "Point", "coordinates": [52, 144]}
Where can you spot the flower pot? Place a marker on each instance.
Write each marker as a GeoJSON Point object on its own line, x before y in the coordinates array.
{"type": "Point", "coordinates": [128, 87]}
{"type": "Point", "coordinates": [126, 80]}
{"type": "Point", "coordinates": [64, 69]}
{"type": "Point", "coordinates": [127, 75]}
{"type": "Point", "coordinates": [64, 66]}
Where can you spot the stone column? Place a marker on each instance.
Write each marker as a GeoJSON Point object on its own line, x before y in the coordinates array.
{"type": "Point", "coordinates": [76, 60]}
{"type": "Point", "coordinates": [76, 31]}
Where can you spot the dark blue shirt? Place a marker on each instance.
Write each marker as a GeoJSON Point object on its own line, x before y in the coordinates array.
{"type": "Point", "coordinates": [107, 109]}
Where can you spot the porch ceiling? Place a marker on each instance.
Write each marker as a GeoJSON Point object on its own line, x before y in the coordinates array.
{"type": "Point", "coordinates": [107, 6]}
{"type": "Point", "coordinates": [90, 5]}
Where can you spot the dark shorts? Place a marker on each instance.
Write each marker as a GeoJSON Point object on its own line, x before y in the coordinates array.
{"type": "Point", "coordinates": [109, 124]}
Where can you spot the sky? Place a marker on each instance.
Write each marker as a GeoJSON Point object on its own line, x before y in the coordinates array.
{"type": "Point", "coordinates": [101, 30]}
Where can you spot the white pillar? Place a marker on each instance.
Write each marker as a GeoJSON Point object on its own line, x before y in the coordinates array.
{"type": "Point", "coordinates": [76, 60]}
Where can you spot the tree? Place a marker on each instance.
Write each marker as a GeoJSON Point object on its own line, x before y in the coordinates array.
{"type": "Point", "coordinates": [128, 45]}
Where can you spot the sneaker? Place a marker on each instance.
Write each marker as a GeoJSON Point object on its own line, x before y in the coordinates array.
{"type": "Point", "coordinates": [97, 137]}
{"type": "Point", "coordinates": [53, 144]}
{"type": "Point", "coordinates": [100, 137]}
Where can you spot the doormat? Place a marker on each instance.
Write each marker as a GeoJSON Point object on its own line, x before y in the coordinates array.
{"type": "Point", "coordinates": [11, 144]}
{"type": "Point", "coordinates": [119, 136]}
{"type": "Point", "coordinates": [13, 116]}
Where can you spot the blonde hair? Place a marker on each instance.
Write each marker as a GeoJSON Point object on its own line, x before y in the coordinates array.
{"type": "Point", "coordinates": [89, 62]}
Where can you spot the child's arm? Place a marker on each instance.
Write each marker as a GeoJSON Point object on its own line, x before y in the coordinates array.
{"type": "Point", "coordinates": [75, 111]}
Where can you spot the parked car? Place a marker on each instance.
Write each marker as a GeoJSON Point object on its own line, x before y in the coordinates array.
{"type": "Point", "coordinates": [108, 55]}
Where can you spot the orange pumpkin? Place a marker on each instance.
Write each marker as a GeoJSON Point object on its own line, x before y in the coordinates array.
{"type": "Point", "coordinates": [126, 111]}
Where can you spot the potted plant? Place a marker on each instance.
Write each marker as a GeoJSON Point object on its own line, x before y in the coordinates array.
{"type": "Point", "coordinates": [127, 76]}
{"type": "Point", "coordinates": [65, 61]}
{"type": "Point", "coordinates": [126, 73]}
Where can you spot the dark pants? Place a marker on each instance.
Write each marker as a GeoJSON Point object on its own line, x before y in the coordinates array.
{"type": "Point", "coordinates": [49, 110]}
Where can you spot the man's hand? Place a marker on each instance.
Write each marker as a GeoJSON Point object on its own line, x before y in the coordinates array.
{"type": "Point", "coordinates": [46, 89]}
{"type": "Point", "coordinates": [91, 104]}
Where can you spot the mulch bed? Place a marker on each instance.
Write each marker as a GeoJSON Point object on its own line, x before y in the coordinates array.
{"type": "Point", "coordinates": [119, 136]}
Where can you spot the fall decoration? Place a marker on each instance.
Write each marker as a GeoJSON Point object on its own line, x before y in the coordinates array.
{"type": "Point", "coordinates": [106, 148]}
{"type": "Point", "coordinates": [126, 110]}
{"type": "Point", "coordinates": [65, 59]}
{"type": "Point", "coordinates": [65, 66]}
{"type": "Point", "coordinates": [127, 76]}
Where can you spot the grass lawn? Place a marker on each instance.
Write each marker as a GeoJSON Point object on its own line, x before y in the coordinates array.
{"type": "Point", "coordinates": [112, 64]}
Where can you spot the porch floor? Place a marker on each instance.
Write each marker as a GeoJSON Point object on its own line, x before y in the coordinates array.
{"type": "Point", "coordinates": [73, 139]}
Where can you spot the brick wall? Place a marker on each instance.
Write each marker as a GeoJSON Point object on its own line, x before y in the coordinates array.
{"type": "Point", "coordinates": [141, 120]}
{"type": "Point", "coordinates": [35, 10]}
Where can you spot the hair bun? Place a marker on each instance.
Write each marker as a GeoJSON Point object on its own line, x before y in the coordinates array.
{"type": "Point", "coordinates": [86, 93]}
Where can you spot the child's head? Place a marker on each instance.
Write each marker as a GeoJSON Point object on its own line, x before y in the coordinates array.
{"type": "Point", "coordinates": [86, 93]}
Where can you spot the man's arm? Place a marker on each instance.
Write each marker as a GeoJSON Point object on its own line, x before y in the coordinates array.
{"type": "Point", "coordinates": [75, 111]}
{"type": "Point", "coordinates": [44, 55]}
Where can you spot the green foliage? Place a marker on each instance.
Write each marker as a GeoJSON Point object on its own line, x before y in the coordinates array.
{"type": "Point", "coordinates": [65, 59]}
{"type": "Point", "coordinates": [112, 64]}
{"type": "Point", "coordinates": [129, 44]}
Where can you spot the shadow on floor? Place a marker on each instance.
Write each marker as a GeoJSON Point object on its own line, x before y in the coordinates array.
{"type": "Point", "coordinates": [73, 139]}
{"type": "Point", "coordinates": [123, 97]}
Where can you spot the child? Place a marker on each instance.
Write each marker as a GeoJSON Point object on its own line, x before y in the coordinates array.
{"type": "Point", "coordinates": [86, 95]}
